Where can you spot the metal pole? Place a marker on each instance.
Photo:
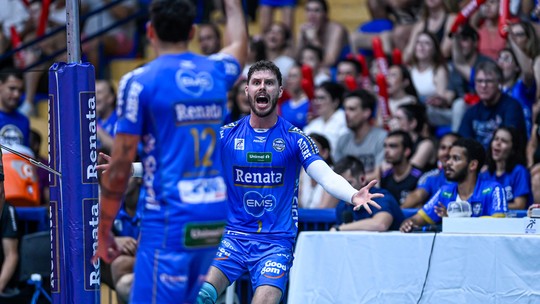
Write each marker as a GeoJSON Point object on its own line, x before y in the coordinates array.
{"type": "Point", "coordinates": [73, 31]}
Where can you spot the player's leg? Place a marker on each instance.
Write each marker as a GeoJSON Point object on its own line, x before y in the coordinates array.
{"type": "Point", "coordinates": [266, 294]}
{"type": "Point", "coordinates": [269, 267]}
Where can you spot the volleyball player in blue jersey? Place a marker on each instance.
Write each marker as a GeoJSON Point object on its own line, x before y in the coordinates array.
{"type": "Point", "coordinates": [176, 105]}
{"type": "Point", "coordinates": [262, 155]}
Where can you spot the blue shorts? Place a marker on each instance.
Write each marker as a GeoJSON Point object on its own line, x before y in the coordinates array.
{"type": "Point", "coordinates": [267, 263]}
{"type": "Point", "coordinates": [278, 3]}
{"type": "Point", "coordinates": [169, 276]}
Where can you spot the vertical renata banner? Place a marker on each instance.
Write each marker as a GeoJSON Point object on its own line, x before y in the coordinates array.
{"type": "Point", "coordinates": [74, 196]}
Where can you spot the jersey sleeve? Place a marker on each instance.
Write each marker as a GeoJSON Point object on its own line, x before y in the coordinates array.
{"type": "Point", "coordinates": [428, 210]}
{"type": "Point", "coordinates": [521, 183]}
{"type": "Point", "coordinates": [230, 67]}
{"type": "Point", "coordinates": [427, 181]}
{"type": "Point", "coordinates": [498, 204]}
{"type": "Point", "coordinates": [129, 105]}
{"type": "Point", "coordinates": [307, 149]}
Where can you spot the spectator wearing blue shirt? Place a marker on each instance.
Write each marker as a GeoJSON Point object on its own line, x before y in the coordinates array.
{"type": "Point", "coordinates": [14, 126]}
{"type": "Point", "coordinates": [487, 198]}
{"type": "Point", "coordinates": [105, 108]}
{"type": "Point", "coordinates": [506, 165]}
{"type": "Point", "coordinates": [431, 181]}
{"type": "Point", "coordinates": [389, 217]}
{"type": "Point", "coordinates": [495, 108]}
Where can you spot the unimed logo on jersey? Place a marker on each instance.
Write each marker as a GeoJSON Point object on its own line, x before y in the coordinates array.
{"type": "Point", "coordinates": [258, 177]}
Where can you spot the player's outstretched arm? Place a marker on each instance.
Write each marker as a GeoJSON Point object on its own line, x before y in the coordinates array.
{"type": "Point", "coordinates": [236, 31]}
{"type": "Point", "coordinates": [337, 186]}
{"type": "Point", "coordinates": [113, 185]}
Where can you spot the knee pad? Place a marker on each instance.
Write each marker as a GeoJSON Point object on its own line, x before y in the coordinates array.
{"type": "Point", "coordinates": [207, 294]}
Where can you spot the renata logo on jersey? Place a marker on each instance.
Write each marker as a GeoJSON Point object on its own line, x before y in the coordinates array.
{"type": "Point", "coordinates": [256, 205]}
{"type": "Point", "coordinates": [196, 113]}
{"type": "Point", "coordinates": [278, 144]}
{"type": "Point", "coordinates": [273, 270]}
{"type": "Point", "coordinates": [239, 144]}
{"type": "Point", "coordinates": [194, 84]}
{"type": "Point", "coordinates": [258, 177]}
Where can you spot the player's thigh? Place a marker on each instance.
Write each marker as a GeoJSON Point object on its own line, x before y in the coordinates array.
{"type": "Point", "coordinates": [271, 266]}
{"type": "Point", "coordinates": [230, 263]}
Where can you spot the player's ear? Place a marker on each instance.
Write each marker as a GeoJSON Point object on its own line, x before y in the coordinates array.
{"type": "Point", "coordinates": [473, 165]}
{"type": "Point", "coordinates": [150, 34]}
{"type": "Point", "coordinates": [280, 91]}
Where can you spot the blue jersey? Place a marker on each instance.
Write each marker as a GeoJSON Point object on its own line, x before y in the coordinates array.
{"type": "Point", "coordinates": [388, 204]}
{"type": "Point", "coordinates": [126, 225]}
{"type": "Point", "coordinates": [296, 114]}
{"type": "Point", "coordinates": [176, 103]}
{"type": "Point", "coordinates": [109, 124]}
{"type": "Point", "coordinates": [526, 97]}
{"type": "Point", "coordinates": [432, 181]}
{"type": "Point", "coordinates": [14, 129]}
{"type": "Point", "coordinates": [516, 183]}
{"type": "Point", "coordinates": [262, 172]}
{"type": "Point", "coordinates": [488, 199]}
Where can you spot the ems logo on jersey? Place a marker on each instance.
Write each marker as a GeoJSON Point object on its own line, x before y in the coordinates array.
{"type": "Point", "coordinates": [255, 204]}
{"type": "Point", "coordinates": [278, 144]}
{"type": "Point", "coordinates": [239, 144]}
{"type": "Point", "coordinates": [194, 84]}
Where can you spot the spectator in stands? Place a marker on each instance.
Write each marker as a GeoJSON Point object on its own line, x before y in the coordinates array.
{"type": "Point", "coordinates": [106, 113]}
{"type": "Point", "coordinates": [486, 21]}
{"type": "Point", "coordinates": [525, 44]}
{"type": "Point", "coordinates": [430, 78]}
{"type": "Point", "coordinates": [495, 108]}
{"type": "Point", "coordinates": [310, 194]}
{"type": "Point", "coordinates": [349, 68]}
{"type": "Point", "coordinates": [9, 248]}
{"type": "Point", "coordinates": [402, 177]}
{"type": "Point", "coordinates": [388, 217]}
{"type": "Point", "coordinates": [533, 159]}
{"type": "Point", "coordinates": [322, 32]}
{"type": "Point", "coordinates": [240, 105]}
{"type": "Point", "coordinates": [295, 109]}
{"type": "Point", "coordinates": [506, 165]}
{"type": "Point", "coordinates": [114, 42]}
{"type": "Point", "coordinates": [436, 19]}
{"type": "Point", "coordinates": [209, 37]}
{"type": "Point", "coordinates": [14, 127]}
{"type": "Point", "coordinates": [42, 174]}
{"type": "Point", "coordinates": [256, 52]}
{"type": "Point", "coordinates": [363, 140]}
{"type": "Point", "coordinates": [412, 119]}
{"type": "Point", "coordinates": [330, 119]}
{"type": "Point", "coordinates": [277, 41]}
{"type": "Point", "coordinates": [13, 14]}
{"type": "Point", "coordinates": [313, 56]}
{"type": "Point", "coordinates": [431, 181]}
{"type": "Point", "coordinates": [487, 198]}
{"type": "Point", "coordinates": [266, 13]}
{"type": "Point", "coordinates": [400, 87]}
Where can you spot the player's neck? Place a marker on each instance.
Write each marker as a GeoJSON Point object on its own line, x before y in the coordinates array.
{"type": "Point", "coordinates": [266, 122]}
{"type": "Point", "coordinates": [466, 187]}
{"type": "Point", "coordinates": [165, 48]}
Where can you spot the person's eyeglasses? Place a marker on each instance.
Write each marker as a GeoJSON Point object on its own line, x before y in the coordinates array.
{"type": "Point", "coordinates": [485, 81]}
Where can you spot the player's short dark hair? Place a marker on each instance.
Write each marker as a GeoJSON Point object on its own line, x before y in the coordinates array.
{"type": "Point", "coordinates": [265, 65]}
{"type": "Point", "coordinates": [5, 73]}
{"type": "Point", "coordinates": [172, 19]}
{"type": "Point", "coordinates": [350, 163]}
{"type": "Point", "coordinates": [473, 151]}
{"type": "Point", "coordinates": [367, 99]}
{"type": "Point", "coordinates": [406, 139]}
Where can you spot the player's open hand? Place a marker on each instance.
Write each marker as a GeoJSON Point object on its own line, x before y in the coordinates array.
{"type": "Point", "coordinates": [104, 161]}
{"type": "Point", "coordinates": [363, 198]}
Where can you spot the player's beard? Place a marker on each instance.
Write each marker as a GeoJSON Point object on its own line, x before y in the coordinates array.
{"type": "Point", "coordinates": [273, 103]}
{"type": "Point", "coordinates": [458, 177]}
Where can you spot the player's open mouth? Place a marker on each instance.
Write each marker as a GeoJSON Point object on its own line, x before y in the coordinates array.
{"type": "Point", "coordinates": [262, 99]}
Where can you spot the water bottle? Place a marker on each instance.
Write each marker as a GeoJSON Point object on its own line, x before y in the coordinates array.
{"type": "Point", "coordinates": [459, 209]}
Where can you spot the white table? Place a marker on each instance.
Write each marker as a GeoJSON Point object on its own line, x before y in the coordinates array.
{"type": "Point", "coordinates": [365, 267]}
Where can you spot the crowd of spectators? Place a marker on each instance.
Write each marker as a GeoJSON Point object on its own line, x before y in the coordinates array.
{"type": "Point", "coordinates": [393, 118]}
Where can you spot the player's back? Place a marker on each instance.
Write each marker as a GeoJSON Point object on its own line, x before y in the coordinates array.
{"type": "Point", "coordinates": [177, 104]}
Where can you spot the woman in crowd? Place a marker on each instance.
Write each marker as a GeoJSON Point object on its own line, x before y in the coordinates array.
{"type": "Point", "coordinates": [277, 42]}
{"type": "Point", "coordinates": [296, 108]}
{"type": "Point", "coordinates": [436, 19]}
{"type": "Point", "coordinates": [412, 119]}
{"type": "Point", "coordinates": [239, 104]}
{"type": "Point", "coordinates": [506, 165]}
{"type": "Point", "coordinates": [430, 78]}
{"type": "Point", "coordinates": [330, 119]}
{"type": "Point", "coordinates": [311, 192]}
{"type": "Point", "coordinates": [401, 90]}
